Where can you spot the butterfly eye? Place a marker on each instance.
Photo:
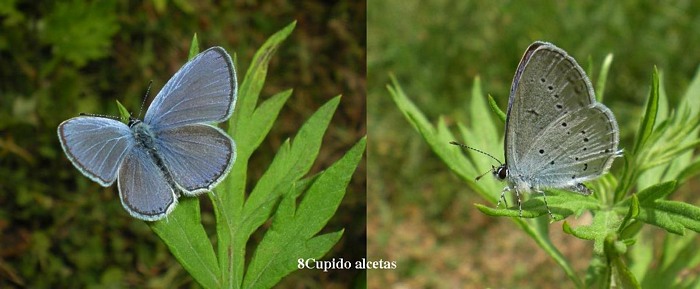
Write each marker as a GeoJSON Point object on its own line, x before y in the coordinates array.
{"type": "Point", "coordinates": [502, 172]}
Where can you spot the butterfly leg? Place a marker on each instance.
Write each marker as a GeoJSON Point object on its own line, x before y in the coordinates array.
{"type": "Point", "coordinates": [544, 197]}
{"type": "Point", "coordinates": [520, 204]}
{"type": "Point", "coordinates": [503, 197]}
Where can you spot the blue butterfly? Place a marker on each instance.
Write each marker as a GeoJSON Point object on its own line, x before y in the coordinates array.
{"type": "Point", "coordinates": [174, 151]}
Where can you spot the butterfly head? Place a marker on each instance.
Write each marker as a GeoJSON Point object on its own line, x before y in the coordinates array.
{"type": "Point", "coordinates": [501, 172]}
{"type": "Point", "coordinates": [133, 121]}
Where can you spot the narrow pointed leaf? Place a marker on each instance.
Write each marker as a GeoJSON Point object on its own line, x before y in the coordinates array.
{"type": "Point", "coordinates": [183, 233]}
{"type": "Point", "coordinates": [194, 47]}
{"type": "Point", "coordinates": [647, 125]}
{"type": "Point", "coordinates": [603, 77]}
{"type": "Point", "coordinates": [497, 110]}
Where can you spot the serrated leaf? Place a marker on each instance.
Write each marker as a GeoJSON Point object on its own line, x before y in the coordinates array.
{"type": "Point", "coordinates": [291, 234]}
{"type": "Point", "coordinates": [255, 79]}
{"type": "Point", "coordinates": [294, 164]}
{"type": "Point", "coordinates": [229, 198]}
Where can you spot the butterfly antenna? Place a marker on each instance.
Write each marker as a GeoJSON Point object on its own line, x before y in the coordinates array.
{"type": "Point", "coordinates": [148, 90]}
{"type": "Point", "coordinates": [100, 115]}
{"type": "Point", "coordinates": [477, 150]}
{"type": "Point", "coordinates": [482, 175]}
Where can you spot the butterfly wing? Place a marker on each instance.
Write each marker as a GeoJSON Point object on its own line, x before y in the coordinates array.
{"type": "Point", "coordinates": [143, 188]}
{"type": "Point", "coordinates": [556, 133]}
{"type": "Point", "coordinates": [198, 156]}
{"type": "Point", "coordinates": [96, 146]}
{"type": "Point", "coordinates": [203, 90]}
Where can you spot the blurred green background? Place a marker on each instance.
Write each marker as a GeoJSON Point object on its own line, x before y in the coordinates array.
{"type": "Point", "coordinates": [60, 58]}
{"type": "Point", "coordinates": [420, 214]}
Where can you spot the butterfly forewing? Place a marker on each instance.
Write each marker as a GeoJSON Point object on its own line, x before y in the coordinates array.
{"type": "Point", "coordinates": [203, 90]}
{"type": "Point", "coordinates": [556, 133]}
{"type": "Point", "coordinates": [96, 146]}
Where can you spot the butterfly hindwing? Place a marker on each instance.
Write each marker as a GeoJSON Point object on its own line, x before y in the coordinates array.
{"type": "Point", "coordinates": [577, 147]}
{"type": "Point", "coordinates": [143, 188]}
{"type": "Point", "coordinates": [198, 156]}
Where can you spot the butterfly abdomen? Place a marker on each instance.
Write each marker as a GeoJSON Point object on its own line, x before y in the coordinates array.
{"type": "Point", "coordinates": [146, 139]}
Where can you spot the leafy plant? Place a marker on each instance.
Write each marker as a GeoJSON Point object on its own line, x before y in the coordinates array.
{"type": "Point", "coordinates": [296, 223]}
{"type": "Point", "coordinates": [660, 159]}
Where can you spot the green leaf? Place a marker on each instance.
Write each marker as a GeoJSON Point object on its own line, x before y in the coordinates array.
{"type": "Point", "coordinates": [183, 233]}
{"type": "Point", "coordinates": [561, 203]}
{"type": "Point", "coordinates": [672, 216]}
{"type": "Point", "coordinates": [604, 224]}
{"type": "Point", "coordinates": [194, 47]}
{"type": "Point", "coordinates": [124, 114]}
{"type": "Point", "coordinates": [658, 191]}
{"type": "Point", "coordinates": [620, 273]}
{"type": "Point", "coordinates": [603, 77]}
{"type": "Point", "coordinates": [497, 110]}
{"type": "Point", "coordinates": [632, 213]}
{"type": "Point", "coordinates": [247, 126]}
{"type": "Point", "coordinates": [482, 119]}
{"type": "Point", "coordinates": [255, 79]}
{"type": "Point", "coordinates": [291, 236]}
{"type": "Point", "coordinates": [438, 138]}
{"type": "Point", "coordinates": [647, 124]}
{"type": "Point", "coordinates": [293, 163]}
{"type": "Point", "coordinates": [264, 117]}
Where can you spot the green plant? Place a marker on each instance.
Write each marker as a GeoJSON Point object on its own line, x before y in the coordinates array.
{"type": "Point", "coordinates": [660, 159]}
{"type": "Point", "coordinates": [292, 232]}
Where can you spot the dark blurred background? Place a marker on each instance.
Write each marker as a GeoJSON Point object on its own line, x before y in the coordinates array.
{"type": "Point", "coordinates": [421, 214]}
{"type": "Point", "coordinates": [58, 229]}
